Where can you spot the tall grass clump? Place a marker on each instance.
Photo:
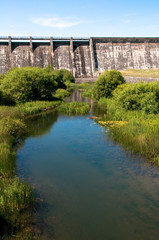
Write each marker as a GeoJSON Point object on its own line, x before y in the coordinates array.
{"type": "Point", "coordinates": [12, 126]}
{"type": "Point", "coordinates": [15, 201]}
{"type": "Point", "coordinates": [74, 107]}
{"type": "Point", "coordinates": [139, 136]}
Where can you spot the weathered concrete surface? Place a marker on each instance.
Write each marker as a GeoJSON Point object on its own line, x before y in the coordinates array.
{"type": "Point", "coordinates": [82, 60]}
{"type": "Point", "coordinates": [83, 57]}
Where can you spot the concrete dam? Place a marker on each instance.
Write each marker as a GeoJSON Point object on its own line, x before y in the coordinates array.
{"type": "Point", "coordinates": [84, 57]}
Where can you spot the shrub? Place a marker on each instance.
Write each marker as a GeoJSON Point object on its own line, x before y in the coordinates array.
{"type": "Point", "coordinates": [67, 75]}
{"type": "Point", "coordinates": [1, 98]}
{"type": "Point", "coordinates": [63, 77]}
{"type": "Point", "coordinates": [28, 84]}
{"type": "Point", "coordinates": [106, 83]}
{"type": "Point", "coordinates": [1, 78]}
{"type": "Point", "coordinates": [138, 96]}
{"type": "Point", "coordinates": [59, 79]}
{"type": "Point", "coordinates": [61, 93]}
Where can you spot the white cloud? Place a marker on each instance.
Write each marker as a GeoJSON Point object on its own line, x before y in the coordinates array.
{"type": "Point", "coordinates": [55, 22]}
{"type": "Point", "coordinates": [12, 26]}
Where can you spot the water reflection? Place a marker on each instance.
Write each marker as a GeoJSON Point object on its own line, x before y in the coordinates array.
{"type": "Point", "coordinates": [95, 109]}
{"type": "Point", "coordinates": [41, 124]}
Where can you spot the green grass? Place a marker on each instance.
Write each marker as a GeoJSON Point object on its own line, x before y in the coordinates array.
{"type": "Point", "coordinates": [140, 134]}
{"type": "Point", "coordinates": [86, 89]}
{"type": "Point", "coordinates": [28, 108]}
{"type": "Point", "coordinates": [16, 197]}
{"type": "Point", "coordinates": [150, 73]}
{"type": "Point", "coordinates": [74, 108]}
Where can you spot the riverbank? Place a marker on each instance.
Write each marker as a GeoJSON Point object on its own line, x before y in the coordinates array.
{"type": "Point", "coordinates": [135, 104]}
{"type": "Point", "coordinates": [17, 200]}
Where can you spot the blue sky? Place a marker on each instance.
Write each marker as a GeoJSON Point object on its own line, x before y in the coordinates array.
{"type": "Point", "coordinates": [84, 18]}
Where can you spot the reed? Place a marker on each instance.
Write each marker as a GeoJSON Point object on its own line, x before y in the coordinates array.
{"type": "Point", "coordinates": [74, 107]}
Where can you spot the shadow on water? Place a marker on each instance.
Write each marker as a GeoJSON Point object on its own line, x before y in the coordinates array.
{"type": "Point", "coordinates": [41, 124]}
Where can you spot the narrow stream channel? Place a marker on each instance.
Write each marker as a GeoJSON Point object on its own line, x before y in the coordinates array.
{"type": "Point", "coordinates": [90, 188]}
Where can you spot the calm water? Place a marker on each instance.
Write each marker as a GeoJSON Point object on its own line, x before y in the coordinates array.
{"type": "Point", "coordinates": [90, 188]}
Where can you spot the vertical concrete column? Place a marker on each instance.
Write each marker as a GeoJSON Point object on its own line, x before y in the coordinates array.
{"type": "Point", "coordinates": [92, 57]}
{"type": "Point", "coordinates": [31, 52]}
{"type": "Point", "coordinates": [51, 51]}
{"type": "Point", "coordinates": [10, 52]}
{"type": "Point", "coordinates": [73, 70]}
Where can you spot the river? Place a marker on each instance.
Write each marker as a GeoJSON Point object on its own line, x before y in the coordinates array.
{"type": "Point", "coordinates": [87, 186]}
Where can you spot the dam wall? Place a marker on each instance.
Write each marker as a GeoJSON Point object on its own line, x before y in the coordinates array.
{"type": "Point", "coordinates": [84, 57]}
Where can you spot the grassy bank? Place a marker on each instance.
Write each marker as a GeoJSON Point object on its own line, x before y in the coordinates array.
{"type": "Point", "coordinates": [23, 92]}
{"type": "Point", "coordinates": [136, 131]}
{"type": "Point", "coordinates": [132, 113]}
{"type": "Point", "coordinates": [149, 73]}
{"type": "Point", "coordinates": [133, 118]}
{"type": "Point", "coordinates": [17, 200]}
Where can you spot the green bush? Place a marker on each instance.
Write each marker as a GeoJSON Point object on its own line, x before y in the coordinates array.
{"type": "Point", "coordinates": [1, 98]}
{"type": "Point", "coordinates": [61, 93]}
{"type": "Point", "coordinates": [28, 84]}
{"type": "Point", "coordinates": [63, 77]}
{"type": "Point", "coordinates": [59, 79]}
{"type": "Point", "coordinates": [67, 75]}
{"type": "Point", "coordinates": [138, 96]}
{"type": "Point", "coordinates": [106, 83]}
{"type": "Point", "coordinates": [1, 78]}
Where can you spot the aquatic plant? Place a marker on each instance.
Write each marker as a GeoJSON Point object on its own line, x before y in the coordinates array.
{"type": "Point", "coordinates": [74, 107]}
{"type": "Point", "coordinates": [112, 124]}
